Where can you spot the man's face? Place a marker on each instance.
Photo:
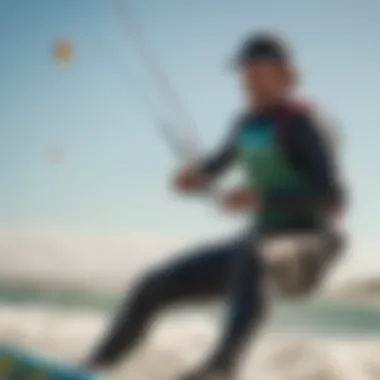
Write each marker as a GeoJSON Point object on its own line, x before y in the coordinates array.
{"type": "Point", "coordinates": [265, 82]}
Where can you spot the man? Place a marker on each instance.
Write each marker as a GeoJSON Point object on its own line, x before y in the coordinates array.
{"type": "Point", "coordinates": [292, 188]}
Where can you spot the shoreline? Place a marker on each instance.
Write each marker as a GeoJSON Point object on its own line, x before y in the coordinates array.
{"type": "Point", "coordinates": [360, 291]}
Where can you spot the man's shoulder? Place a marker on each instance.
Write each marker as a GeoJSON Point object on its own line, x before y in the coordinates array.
{"type": "Point", "coordinates": [313, 114]}
{"type": "Point", "coordinates": [241, 118]}
{"type": "Point", "coordinates": [306, 108]}
{"type": "Point", "coordinates": [316, 119]}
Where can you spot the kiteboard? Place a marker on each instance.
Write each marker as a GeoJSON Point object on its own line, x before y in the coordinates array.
{"type": "Point", "coordinates": [19, 364]}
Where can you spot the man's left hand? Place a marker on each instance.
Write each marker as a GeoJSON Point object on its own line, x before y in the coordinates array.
{"type": "Point", "coordinates": [240, 200]}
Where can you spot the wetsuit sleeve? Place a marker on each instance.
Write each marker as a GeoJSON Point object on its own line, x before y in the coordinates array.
{"type": "Point", "coordinates": [223, 157]}
{"type": "Point", "coordinates": [312, 154]}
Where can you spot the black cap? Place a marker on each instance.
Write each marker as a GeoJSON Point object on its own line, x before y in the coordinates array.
{"type": "Point", "coordinates": [263, 46]}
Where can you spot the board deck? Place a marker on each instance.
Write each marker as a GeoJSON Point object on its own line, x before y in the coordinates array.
{"type": "Point", "coordinates": [18, 364]}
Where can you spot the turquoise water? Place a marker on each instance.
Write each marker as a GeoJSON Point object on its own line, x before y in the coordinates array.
{"type": "Point", "coordinates": [322, 317]}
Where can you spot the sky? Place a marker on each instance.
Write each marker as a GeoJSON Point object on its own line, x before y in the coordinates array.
{"type": "Point", "coordinates": [115, 173]}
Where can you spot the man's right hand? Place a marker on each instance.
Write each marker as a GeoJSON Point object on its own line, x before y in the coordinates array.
{"type": "Point", "coordinates": [191, 179]}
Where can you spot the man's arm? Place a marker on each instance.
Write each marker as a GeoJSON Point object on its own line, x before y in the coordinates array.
{"type": "Point", "coordinates": [223, 158]}
{"type": "Point", "coordinates": [312, 153]}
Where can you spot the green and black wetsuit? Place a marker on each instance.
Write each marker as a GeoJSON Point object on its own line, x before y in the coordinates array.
{"type": "Point", "coordinates": [291, 165]}
{"type": "Point", "coordinates": [289, 161]}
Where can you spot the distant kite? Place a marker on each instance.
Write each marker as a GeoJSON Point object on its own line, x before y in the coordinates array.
{"type": "Point", "coordinates": [63, 52]}
{"type": "Point", "coordinates": [55, 154]}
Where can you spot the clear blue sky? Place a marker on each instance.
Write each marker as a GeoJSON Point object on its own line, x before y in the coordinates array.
{"type": "Point", "coordinates": [115, 172]}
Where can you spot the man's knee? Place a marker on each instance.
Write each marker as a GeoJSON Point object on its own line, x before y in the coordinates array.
{"type": "Point", "coordinates": [149, 290]}
{"type": "Point", "coordinates": [160, 288]}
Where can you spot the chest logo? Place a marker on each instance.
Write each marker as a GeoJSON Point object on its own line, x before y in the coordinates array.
{"type": "Point", "coordinates": [257, 139]}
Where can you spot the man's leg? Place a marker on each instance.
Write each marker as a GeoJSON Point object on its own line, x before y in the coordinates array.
{"type": "Point", "coordinates": [199, 274]}
{"type": "Point", "coordinates": [245, 314]}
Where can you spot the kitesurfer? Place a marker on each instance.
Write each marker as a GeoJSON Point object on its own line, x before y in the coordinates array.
{"type": "Point", "coordinates": [293, 186]}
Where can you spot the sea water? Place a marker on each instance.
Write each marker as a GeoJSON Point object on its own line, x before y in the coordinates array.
{"type": "Point", "coordinates": [310, 339]}
{"type": "Point", "coordinates": [316, 339]}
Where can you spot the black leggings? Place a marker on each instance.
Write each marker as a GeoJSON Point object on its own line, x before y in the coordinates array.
{"type": "Point", "coordinates": [211, 271]}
